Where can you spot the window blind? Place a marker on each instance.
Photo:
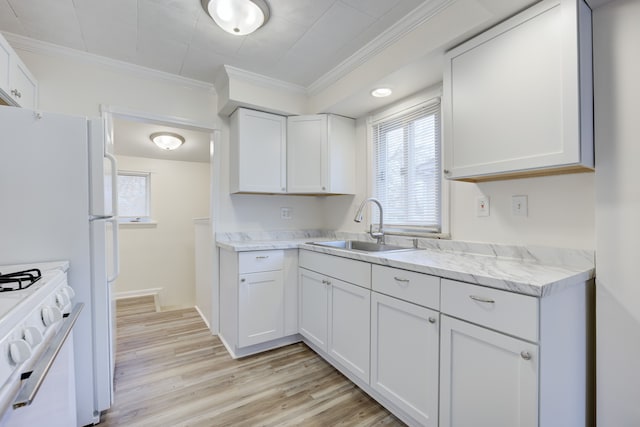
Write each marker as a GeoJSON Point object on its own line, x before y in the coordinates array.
{"type": "Point", "coordinates": [406, 175]}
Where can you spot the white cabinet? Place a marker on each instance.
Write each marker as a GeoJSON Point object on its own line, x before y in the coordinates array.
{"type": "Point", "coordinates": [313, 294]}
{"type": "Point", "coordinates": [404, 356]}
{"type": "Point", "coordinates": [258, 152]}
{"type": "Point", "coordinates": [487, 378]}
{"type": "Point", "coordinates": [17, 85]}
{"type": "Point", "coordinates": [258, 300]}
{"type": "Point", "coordinates": [518, 99]}
{"type": "Point", "coordinates": [335, 314]}
{"type": "Point", "coordinates": [260, 314]}
{"type": "Point", "coordinates": [321, 154]}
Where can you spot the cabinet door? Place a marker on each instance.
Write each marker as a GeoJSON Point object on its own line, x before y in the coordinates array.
{"type": "Point", "coordinates": [349, 321]}
{"type": "Point", "coordinates": [313, 306]}
{"type": "Point", "coordinates": [23, 83]}
{"type": "Point", "coordinates": [486, 378]}
{"type": "Point", "coordinates": [404, 356]}
{"type": "Point", "coordinates": [5, 54]}
{"type": "Point", "coordinates": [307, 151]}
{"type": "Point", "coordinates": [261, 300]}
{"type": "Point", "coordinates": [518, 98]}
{"type": "Point", "coordinates": [258, 152]}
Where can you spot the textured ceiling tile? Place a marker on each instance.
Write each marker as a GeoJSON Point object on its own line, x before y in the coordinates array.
{"type": "Point", "coordinates": [209, 37]}
{"type": "Point", "coordinates": [375, 8]}
{"type": "Point", "coordinates": [9, 21]}
{"type": "Point", "coordinates": [53, 21]}
{"type": "Point", "coordinates": [301, 12]}
{"type": "Point", "coordinates": [166, 22]}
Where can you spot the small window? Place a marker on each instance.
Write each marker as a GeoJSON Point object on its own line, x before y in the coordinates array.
{"type": "Point", "coordinates": [134, 196]}
{"type": "Point", "coordinates": [406, 169]}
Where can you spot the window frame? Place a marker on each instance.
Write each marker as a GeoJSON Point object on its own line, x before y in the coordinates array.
{"type": "Point", "coordinates": [429, 96]}
{"type": "Point", "coordinates": [147, 219]}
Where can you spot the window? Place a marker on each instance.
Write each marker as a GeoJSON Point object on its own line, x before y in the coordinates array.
{"type": "Point", "coordinates": [406, 169]}
{"type": "Point", "coordinates": [133, 196]}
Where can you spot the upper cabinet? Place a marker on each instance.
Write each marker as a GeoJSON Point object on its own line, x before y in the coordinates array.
{"type": "Point", "coordinates": [17, 85]}
{"type": "Point", "coordinates": [518, 99]}
{"type": "Point", "coordinates": [321, 154]}
{"type": "Point", "coordinates": [258, 152]}
{"type": "Point", "coordinates": [274, 154]}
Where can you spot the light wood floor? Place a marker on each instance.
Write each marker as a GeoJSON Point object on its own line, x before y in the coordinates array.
{"type": "Point", "coordinates": [170, 371]}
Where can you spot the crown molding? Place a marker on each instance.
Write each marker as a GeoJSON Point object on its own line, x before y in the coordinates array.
{"type": "Point", "coordinates": [36, 46]}
{"type": "Point", "coordinates": [417, 17]}
{"type": "Point", "coordinates": [262, 80]}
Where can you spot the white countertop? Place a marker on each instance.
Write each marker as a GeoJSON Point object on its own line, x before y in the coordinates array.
{"type": "Point", "coordinates": [529, 271]}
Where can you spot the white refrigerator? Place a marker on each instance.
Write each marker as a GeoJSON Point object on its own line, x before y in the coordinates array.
{"type": "Point", "coordinates": [58, 202]}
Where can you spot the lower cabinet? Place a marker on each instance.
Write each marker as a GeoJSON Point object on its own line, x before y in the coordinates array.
{"type": "Point", "coordinates": [486, 378]}
{"type": "Point", "coordinates": [334, 316]}
{"type": "Point", "coordinates": [404, 356]}
{"type": "Point", "coordinates": [258, 300]}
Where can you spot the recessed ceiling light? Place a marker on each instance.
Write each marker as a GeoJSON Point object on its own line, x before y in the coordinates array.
{"type": "Point", "coordinates": [237, 17]}
{"type": "Point", "coordinates": [167, 140]}
{"type": "Point", "coordinates": [381, 92]}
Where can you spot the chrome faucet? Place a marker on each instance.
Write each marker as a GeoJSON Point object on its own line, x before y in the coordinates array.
{"type": "Point", "coordinates": [378, 235]}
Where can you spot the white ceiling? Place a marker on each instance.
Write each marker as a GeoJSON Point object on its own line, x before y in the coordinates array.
{"type": "Point", "coordinates": [302, 40]}
{"type": "Point", "coordinates": [131, 138]}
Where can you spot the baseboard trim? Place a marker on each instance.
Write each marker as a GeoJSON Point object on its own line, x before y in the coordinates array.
{"type": "Point", "coordinates": [206, 322]}
{"type": "Point", "coordinates": [154, 292]}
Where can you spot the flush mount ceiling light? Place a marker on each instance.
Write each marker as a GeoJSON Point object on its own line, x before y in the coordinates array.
{"type": "Point", "coordinates": [381, 92]}
{"type": "Point", "coordinates": [167, 140]}
{"type": "Point", "coordinates": [238, 17]}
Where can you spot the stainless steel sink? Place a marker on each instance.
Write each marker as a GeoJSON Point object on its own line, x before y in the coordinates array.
{"type": "Point", "coordinates": [357, 245]}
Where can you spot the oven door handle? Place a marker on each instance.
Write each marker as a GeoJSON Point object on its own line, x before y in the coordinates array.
{"type": "Point", "coordinates": [32, 384]}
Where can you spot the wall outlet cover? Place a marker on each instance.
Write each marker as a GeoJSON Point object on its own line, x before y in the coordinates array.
{"type": "Point", "coordinates": [286, 213]}
{"type": "Point", "coordinates": [482, 206]}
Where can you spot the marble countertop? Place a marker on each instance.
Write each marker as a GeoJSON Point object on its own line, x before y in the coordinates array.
{"type": "Point", "coordinates": [535, 271]}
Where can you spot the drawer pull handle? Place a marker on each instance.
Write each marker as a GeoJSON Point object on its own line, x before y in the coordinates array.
{"type": "Point", "coordinates": [326, 282]}
{"type": "Point", "coordinates": [525, 355]}
{"type": "Point", "coordinates": [243, 280]}
{"type": "Point", "coordinates": [482, 299]}
{"type": "Point", "coordinates": [432, 320]}
{"type": "Point", "coordinates": [262, 257]}
{"type": "Point", "coordinates": [400, 279]}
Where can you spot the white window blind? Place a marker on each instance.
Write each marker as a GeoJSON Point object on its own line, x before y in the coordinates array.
{"type": "Point", "coordinates": [406, 175]}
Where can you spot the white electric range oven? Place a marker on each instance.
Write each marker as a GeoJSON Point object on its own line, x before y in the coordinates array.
{"type": "Point", "coordinates": [37, 315]}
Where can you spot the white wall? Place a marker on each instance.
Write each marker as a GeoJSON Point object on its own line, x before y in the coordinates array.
{"type": "Point", "coordinates": [561, 211]}
{"type": "Point", "coordinates": [617, 107]}
{"type": "Point", "coordinates": [76, 86]}
{"type": "Point", "coordinates": [163, 256]}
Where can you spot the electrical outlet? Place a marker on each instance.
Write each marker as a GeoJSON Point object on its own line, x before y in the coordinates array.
{"type": "Point", "coordinates": [519, 205]}
{"type": "Point", "coordinates": [482, 206]}
{"type": "Point", "coordinates": [286, 213]}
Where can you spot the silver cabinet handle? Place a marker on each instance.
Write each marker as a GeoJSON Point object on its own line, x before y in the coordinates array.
{"type": "Point", "coordinates": [324, 188]}
{"type": "Point", "coordinates": [447, 172]}
{"type": "Point", "coordinates": [262, 257]}
{"type": "Point", "coordinates": [326, 282]}
{"type": "Point", "coordinates": [16, 93]}
{"type": "Point", "coordinates": [400, 279]}
{"type": "Point", "coordinates": [243, 280]}
{"type": "Point", "coordinates": [525, 355]}
{"type": "Point", "coordinates": [482, 299]}
{"type": "Point", "coordinates": [40, 371]}
{"type": "Point", "coordinates": [432, 320]}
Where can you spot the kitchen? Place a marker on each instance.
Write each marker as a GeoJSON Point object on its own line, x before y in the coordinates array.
{"type": "Point", "coordinates": [568, 211]}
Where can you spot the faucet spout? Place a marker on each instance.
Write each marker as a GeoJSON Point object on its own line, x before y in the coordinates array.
{"type": "Point", "coordinates": [378, 235]}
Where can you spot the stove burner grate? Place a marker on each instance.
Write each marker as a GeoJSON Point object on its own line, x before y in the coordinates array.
{"type": "Point", "coordinates": [19, 280]}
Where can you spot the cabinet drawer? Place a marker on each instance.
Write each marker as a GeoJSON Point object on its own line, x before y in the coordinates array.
{"type": "Point", "coordinates": [503, 311]}
{"type": "Point", "coordinates": [256, 261]}
{"type": "Point", "coordinates": [414, 287]}
{"type": "Point", "coordinates": [348, 270]}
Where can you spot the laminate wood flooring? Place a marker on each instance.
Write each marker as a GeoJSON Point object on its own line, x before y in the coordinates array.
{"type": "Point", "coordinates": [170, 371]}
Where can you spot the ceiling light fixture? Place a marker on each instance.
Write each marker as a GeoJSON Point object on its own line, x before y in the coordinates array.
{"type": "Point", "coordinates": [381, 92]}
{"type": "Point", "coordinates": [167, 140]}
{"type": "Point", "coordinates": [238, 17]}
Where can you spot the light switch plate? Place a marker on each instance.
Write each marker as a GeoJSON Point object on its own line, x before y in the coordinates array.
{"type": "Point", "coordinates": [482, 206]}
{"type": "Point", "coordinates": [519, 206]}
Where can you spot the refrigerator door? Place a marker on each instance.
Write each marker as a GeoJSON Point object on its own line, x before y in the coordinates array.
{"type": "Point", "coordinates": [104, 267]}
{"type": "Point", "coordinates": [103, 170]}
